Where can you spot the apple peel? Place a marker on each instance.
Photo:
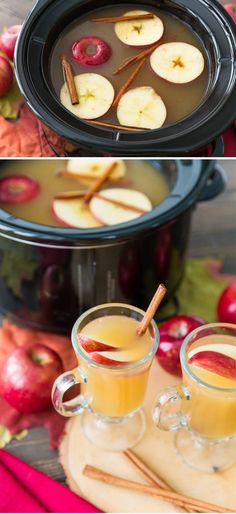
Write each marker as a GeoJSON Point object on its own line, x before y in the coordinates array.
{"type": "Point", "coordinates": [215, 362]}
{"type": "Point", "coordinates": [91, 345]}
{"type": "Point", "coordinates": [101, 359]}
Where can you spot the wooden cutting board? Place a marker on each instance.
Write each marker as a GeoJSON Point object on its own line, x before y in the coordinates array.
{"type": "Point", "coordinates": [157, 451]}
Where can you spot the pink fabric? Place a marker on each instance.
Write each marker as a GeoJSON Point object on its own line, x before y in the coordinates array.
{"type": "Point", "coordinates": [25, 489]}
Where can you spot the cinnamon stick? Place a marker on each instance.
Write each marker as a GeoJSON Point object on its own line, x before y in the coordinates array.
{"type": "Point", "coordinates": [116, 127]}
{"type": "Point", "coordinates": [69, 80]}
{"type": "Point", "coordinates": [152, 308]}
{"type": "Point", "coordinates": [168, 496]}
{"type": "Point", "coordinates": [121, 204]}
{"type": "Point", "coordinates": [95, 187]}
{"type": "Point", "coordinates": [69, 195]}
{"type": "Point", "coordinates": [128, 82]}
{"type": "Point", "coordinates": [75, 176]}
{"type": "Point", "coordinates": [136, 58]}
{"type": "Point", "coordinates": [146, 472]}
{"type": "Point", "coordinates": [117, 19]}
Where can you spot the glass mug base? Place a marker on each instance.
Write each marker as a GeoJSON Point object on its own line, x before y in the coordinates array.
{"type": "Point", "coordinates": [113, 434]}
{"type": "Point", "coordinates": [205, 455]}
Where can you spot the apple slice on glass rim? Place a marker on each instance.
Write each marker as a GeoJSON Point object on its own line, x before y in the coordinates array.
{"type": "Point", "coordinates": [95, 93]}
{"type": "Point", "coordinates": [141, 107]}
{"type": "Point", "coordinates": [109, 213]}
{"type": "Point", "coordinates": [139, 32]}
{"type": "Point", "coordinates": [87, 169]}
{"type": "Point", "coordinates": [177, 62]}
{"type": "Point", "coordinates": [90, 345]}
{"type": "Point", "coordinates": [215, 362]}
{"type": "Point", "coordinates": [74, 213]}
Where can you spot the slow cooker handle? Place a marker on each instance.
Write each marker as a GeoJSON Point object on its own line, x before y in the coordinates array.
{"type": "Point", "coordinates": [215, 185]}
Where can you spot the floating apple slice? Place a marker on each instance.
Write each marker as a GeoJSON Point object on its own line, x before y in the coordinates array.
{"type": "Point", "coordinates": [87, 169]}
{"type": "Point", "coordinates": [18, 189]}
{"type": "Point", "coordinates": [96, 95]}
{"type": "Point", "coordinates": [177, 62]}
{"type": "Point", "coordinates": [110, 213]}
{"type": "Point", "coordinates": [215, 362]}
{"type": "Point", "coordinates": [75, 213]}
{"type": "Point", "coordinates": [90, 345]}
{"type": "Point", "coordinates": [141, 107]}
{"type": "Point", "coordinates": [101, 359]}
{"type": "Point", "coordinates": [139, 32]}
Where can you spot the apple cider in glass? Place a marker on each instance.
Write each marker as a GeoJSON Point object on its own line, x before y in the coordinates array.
{"type": "Point", "coordinates": [170, 84]}
{"type": "Point", "coordinates": [114, 392]}
{"type": "Point", "coordinates": [212, 409]}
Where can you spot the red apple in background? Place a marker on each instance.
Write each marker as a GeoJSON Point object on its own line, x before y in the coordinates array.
{"type": "Point", "coordinates": [226, 308]}
{"type": "Point", "coordinates": [8, 40]}
{"type": "Point", "coordinates": [27, 377]}
{"type": "Point", "coordinates": [6, 76]}
{"type": "Point", "coordinates": [172, 334]}
{"type": "Point", "coordinates": [231, 9]}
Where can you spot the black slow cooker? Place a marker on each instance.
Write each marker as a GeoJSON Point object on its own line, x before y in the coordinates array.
{"type": "Point", "coordinates": [49, 275]}
{"type": "Point", "coordinates": [189, 136]}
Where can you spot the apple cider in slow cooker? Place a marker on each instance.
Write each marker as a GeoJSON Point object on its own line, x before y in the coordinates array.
{"type": "Point", "coordinates": [115, 393]}
{"type": "Point", "coordinates": [168, 74]}
{"type": "Point", "coordinates": [53, 193]}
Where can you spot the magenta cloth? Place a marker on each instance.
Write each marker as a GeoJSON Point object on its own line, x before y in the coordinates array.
{"type": "Point", "coordinates": [25, 489]}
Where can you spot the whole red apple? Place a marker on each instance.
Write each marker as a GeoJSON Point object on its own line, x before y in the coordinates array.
{"type": "Point", "coordinates": [6, 76]}
{"type": "Point", "coordinates": [231, 9]}
{"type": "Point", "coordinates": [8, 40]}
{"type": "Point", "coordinates": [27, 377]}
{"type": "Point", "coordinates": [226, 308]}
{"type": "Point", "coordinates": [172, 334]}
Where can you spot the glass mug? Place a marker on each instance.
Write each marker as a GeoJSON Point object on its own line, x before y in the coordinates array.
{"type": "Point", "coordinates": [110, 397]}
{"type": "Point", "coordinates": [203, 408]}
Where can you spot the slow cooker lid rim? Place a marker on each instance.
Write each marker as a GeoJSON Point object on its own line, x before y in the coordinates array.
{"type": "Point", "coordinates": [176, 202]}
{"type": "Point", "coordinates": [129, 144]}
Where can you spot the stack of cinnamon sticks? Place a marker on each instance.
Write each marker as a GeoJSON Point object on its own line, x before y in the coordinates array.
{"type": "Point", "coordinates": [157, 487]}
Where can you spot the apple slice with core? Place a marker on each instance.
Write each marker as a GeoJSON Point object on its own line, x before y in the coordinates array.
{"type": "Point", "coordinates": [141, 107]}
{"type": "Point", "coordinates": [215, 362]}
{"type": "Point", "coordinates": [93, 168]}
{"type": "Point", "coordinates": [90, 345]}
{"type": "Point", "coordinates": [111, 214]}
{"type": "Point", "coordinates": [96, 95]}
{"type": "Point", "coordinates": [74, 212]}
{"type": "Point", "coordinates": [18, 189]}
{"type": "Point", "coordinates": [139, 32]}
{"type": "Point", "coordinates": [177, 62]}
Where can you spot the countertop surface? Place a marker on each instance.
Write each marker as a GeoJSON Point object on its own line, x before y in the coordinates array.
{"type": "Point", "coordinates": [213, 234]}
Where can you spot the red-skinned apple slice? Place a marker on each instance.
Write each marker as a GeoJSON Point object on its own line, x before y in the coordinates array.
{"type": "Point", "coordinates": [215, 362]}
{"type": "Point", "coordinates": [101, 359]}
{"type": "Point", "coordinates": [18, 189]}
{"type": "Point", "coordinates": [111, 214]}
{"type": "Point", "coordinates": [177, 62]}
{"type": "Point", "coordinates": [96, 95]}
{"type": "Point", "coordinates": [141, 107]}
{"type": "Point", "coordinates": [74, 213]}
{"type": "Point", "coordinates": [91, 345]}
{"type": "Point", "coordinates": [139, 32]}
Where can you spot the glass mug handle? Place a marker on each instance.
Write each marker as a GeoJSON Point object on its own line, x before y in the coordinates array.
{"type": "Point", "coordinates": [63, 384]}
{"type": "Point", "coordinates": [166, 413]}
